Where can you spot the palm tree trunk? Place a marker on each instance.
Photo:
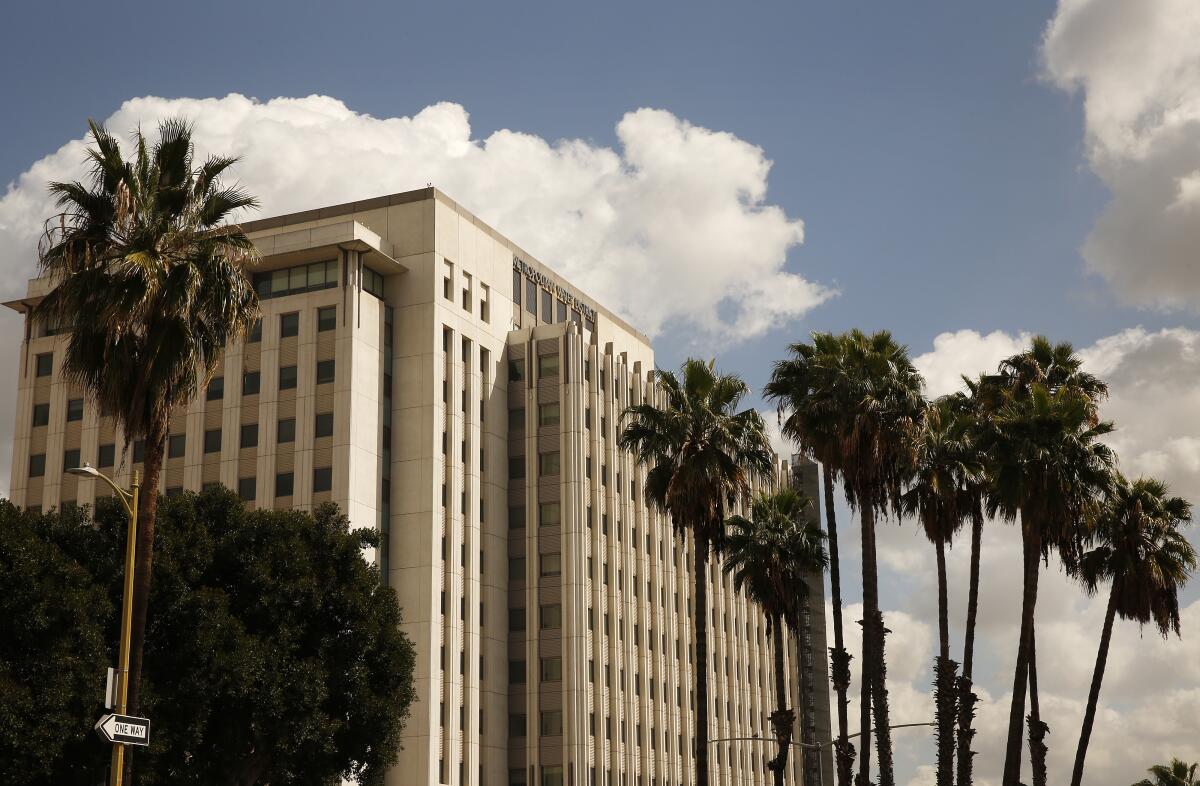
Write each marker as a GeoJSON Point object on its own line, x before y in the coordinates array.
{"type": "Point", "coordinates": [944, 703]}
{"type": "Point", "coordinates": [782, 719]}
{"type": "Point", "coordinates": [1037, 729]}
{"type": "Point", "coordinates": [700, 623]}
{"type": "Point", "coordinates": [875, 667]}
{"type": "Point", "coordinates": [1031, 549]}
{"type": "Point", "coordinates": [839, 658]}
{"type": "Point", "coordinates": [966, 697]}
{"type": "Point", "coordinates": [1089, 716]}
{"type": "Point", "coordinates": [155, 443]}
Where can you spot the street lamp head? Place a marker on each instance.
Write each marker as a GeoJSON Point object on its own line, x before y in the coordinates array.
{"type": "Point", "coordinates": [86, 471]}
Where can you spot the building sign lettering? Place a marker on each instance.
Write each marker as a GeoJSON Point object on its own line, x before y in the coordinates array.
{"type": "Point", "coordinates": [545, 282]}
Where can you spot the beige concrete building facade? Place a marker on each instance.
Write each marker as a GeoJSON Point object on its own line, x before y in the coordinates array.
{"type": "Point", "coordinates": [446, 388]}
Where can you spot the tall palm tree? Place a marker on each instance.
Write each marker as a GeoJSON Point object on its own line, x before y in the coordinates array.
{"type": "Point", "coordinates": [945, 464]}
{"type": "Point", "coordinates": [968, 407]}
{"type": "Point", "coordinates": [1051, 368]}
{"type": "Point", "coordinates": [1046, 466]}
{"type": "Point", "coordinates": [769, 555]}
{"type": "Point", "coordinates": [1146, 559]}
{"type": "Point", "coordinates": [804, 389]}
{"type": "Point", "coordinates": [153, 281]}
{"type": "Point", "coordinates": [1177, 773]}
{"type": "Point", "coordinates": [880, 391]}
{"type": "Point", "coordinates": [702, 452]}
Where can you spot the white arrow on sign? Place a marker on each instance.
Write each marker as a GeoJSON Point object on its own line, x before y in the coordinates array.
{"type": "Point", "coordinates": [125, 729]}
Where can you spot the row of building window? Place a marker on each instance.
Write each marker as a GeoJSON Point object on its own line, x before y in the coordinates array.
{"type": "Point", "coordinates": [295, 280]}
{"type": "Point", "coordinates": [468, 296]}
{"type": "Point", "coordinates": [285, 432]}
{"type": "Point", "coordinates": [553, 309]}
{"type": "Point", "coordinates": [288, 378]}
{"type": "Point", "coordinates": [547, 366]}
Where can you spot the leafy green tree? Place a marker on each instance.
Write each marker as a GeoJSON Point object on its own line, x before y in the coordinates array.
{"type": "Point", "coordinates": [945, 466]}
{"type": "Point", "coordinates": [53, 650]}
{"type": "Point", "coordinates": [769, 555]}
{"type": "Point", "coordinates": [804, 388]}
{"type": "Point", "coordinates": [702, 453]}
{"type": "Point", "coordinates": [1047, 466]}
{"type": "Point", "coordinates": [1177, 773]}
{"type": "Point", "coordinates": [153, 283]}
{"type": "Point", "coordinates": [274, 654]}
{"type": "Point", "coordinates": [1146, 559]}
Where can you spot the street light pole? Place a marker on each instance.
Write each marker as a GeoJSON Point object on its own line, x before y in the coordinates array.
{"type": "Point", "coordinates": [129, 499]}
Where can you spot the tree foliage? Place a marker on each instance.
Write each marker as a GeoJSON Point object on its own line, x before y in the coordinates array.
{"type": "Point", "coordinates": [273, 655]}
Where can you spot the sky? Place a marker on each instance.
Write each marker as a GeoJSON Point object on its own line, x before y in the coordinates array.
{"type": "Point", "coordinates": [964, 175]}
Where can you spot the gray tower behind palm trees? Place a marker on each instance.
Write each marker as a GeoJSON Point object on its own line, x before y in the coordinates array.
{"type": "Point", "coordinates": [813, 716]}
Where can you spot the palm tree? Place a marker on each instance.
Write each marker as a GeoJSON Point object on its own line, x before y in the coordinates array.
{"type": "Point", "coordinates": [969, 407]}
{"type": "Point", "coordinates": [880, 390]}
{"type": "Point", "coordinates": [1047, 466]}
{"type": "Point", "coordinates": [768, 556]}
{"type": "Point", "coordinates": [702, 453]}
{"type": "Point", "coordinates": [1146, 559]}
{"type": "Point", "coordinates": [154, 283]}
{"type": "Point", "coordinates": [945, 466]}
{"type": "Point", "coordinates": [1177, 773]}
{"type": "Point", "coordinates": [803, 388]}
{"type": "Point", "coordinates": [1052, 368]}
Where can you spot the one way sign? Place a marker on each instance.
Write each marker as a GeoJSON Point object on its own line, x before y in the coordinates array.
{"type": "Point", "coordinates": [125, 729]}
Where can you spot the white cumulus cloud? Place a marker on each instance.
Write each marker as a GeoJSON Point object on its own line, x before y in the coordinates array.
{"type": "Point", "coordinates": [670, 228]}
{"type": "Point", "coordinates": [1138, 67]}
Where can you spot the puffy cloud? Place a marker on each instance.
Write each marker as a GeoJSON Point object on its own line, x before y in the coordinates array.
{"type": "Point", "coordinates": [964, 352]}
{"type": "Point", "coordinates": [677, 208]}
{"type": "Point", "coordinates": [1139, 69]}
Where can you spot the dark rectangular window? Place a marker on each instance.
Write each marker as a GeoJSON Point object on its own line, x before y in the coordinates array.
{"type": "Point", "coordinates": [324, 427]}
{"type": "Point", "coordinates": [174, 491]}
{"type": "Point", "coordinates": [176, 443]}
{"type": "Point", "coordinates": [250, 383]}
{"type": "Point", "coordinates": [45, 364]}
{"type": "Point", "coordinates": [37, 465]}
{"type": "Point", "coordinates": [287, 377]}
{"type": "Point", "coordinates": [289, 325]}
{"type": "Point", "coordinates": [256, 331]}
{"type": "Point", "coordinates": [139, 451]}
{"type": "Point", "coordinates": [517, 723]}
{"type": "Point", "coordinates": [75, 409]}
{"type": "Point", "coordinates": [516, 620]}
{"type": "Point", "coordinates": [285, 431]}
{"type": "Point", "coordinates": [547, 306]}
{"type": "Point", "coordinates": [325, 371]}
{"type": "Point", "coordinates": [516, 467]}
{"type": "Point", "coordinates": [322, 479]}
{"type": "Point", "coordinates": [516, 517]}
{"type": "Point", "coordinates": [216, 389]}
{"type": "Point", "coordinates": [531, 291]}
{"type": "Point", "coordinates": [107, 457]}
{"type": "Point", "coordinates": [517, 287]}
{"type": "Point", "coordinates": [291, 281]}
{"type": "Point", "coordinates": [41, 415]}
{"type": "Point", "coordinates": [249, 436]}
{"type": "Point", "coordinates": [247, 489]}
{"type": "Point", "coordinates": [326, 318]}
{"type": "Point", "coordinates": [212, 440]}
{"type": "Point", "coordinates": [283, 484]}
{"type": "Point", "coordinates": [70, 459]}
{"type": "Point", "coordinates": [516, 370]}
{"type": "Point", "coordinates": [516, 672]}
{"type": "Point", "coordinates": [562, 312]}
{"type": "Point", "coordinates": [372, 283]}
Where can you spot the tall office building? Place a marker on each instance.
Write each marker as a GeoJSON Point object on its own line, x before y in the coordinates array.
{"type": "Point", "coordinates": [446, 388]}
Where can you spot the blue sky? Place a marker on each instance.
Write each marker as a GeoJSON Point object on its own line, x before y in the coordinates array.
{"type": "Point", "coordinates": [947, 182]}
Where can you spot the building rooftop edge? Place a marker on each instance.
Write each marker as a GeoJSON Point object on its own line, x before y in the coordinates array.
{"type": "Point", "coordinates": [419, 195]}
